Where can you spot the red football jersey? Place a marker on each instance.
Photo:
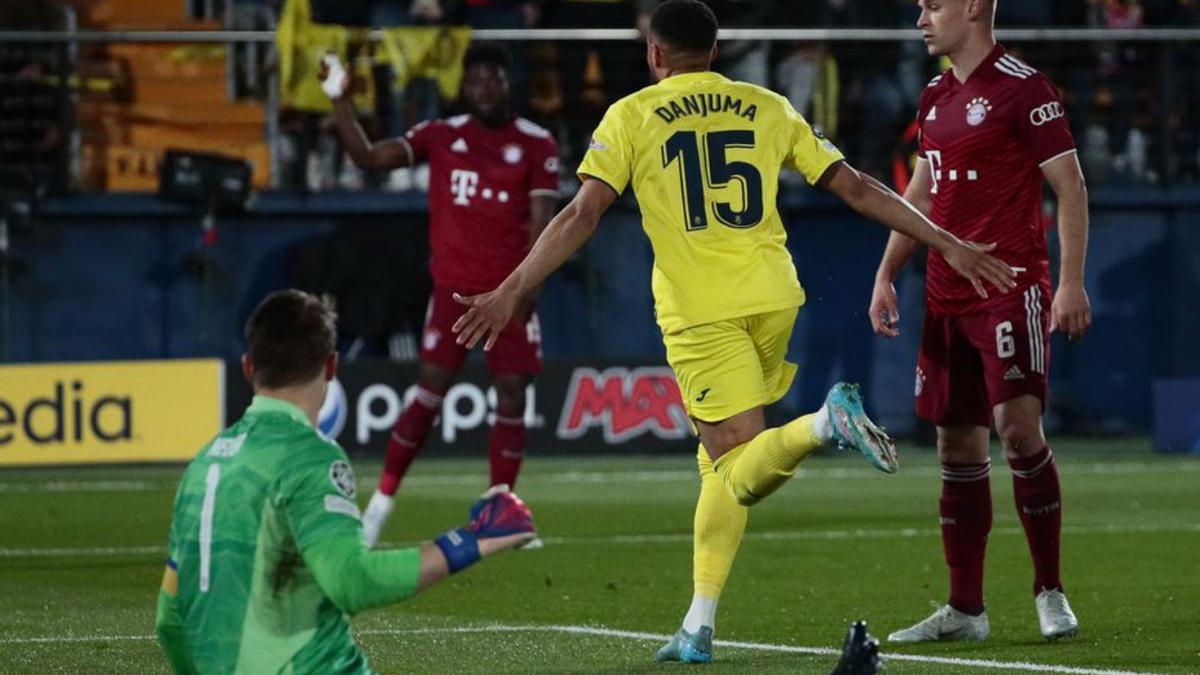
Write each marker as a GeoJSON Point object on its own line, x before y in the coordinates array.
{"type": "Point", "coordinates": [986, 140]}
{"type": "Point", "coordinates": [480, 184]}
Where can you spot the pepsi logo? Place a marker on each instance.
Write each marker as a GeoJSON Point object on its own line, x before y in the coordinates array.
{"type": "Point", "coordinates": [334, 410]}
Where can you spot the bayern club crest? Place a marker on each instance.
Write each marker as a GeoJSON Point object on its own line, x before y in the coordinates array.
{"type": "Point", "coordinates": [513, 153]}
{"type": "Point", "coordinates": [977, 111]}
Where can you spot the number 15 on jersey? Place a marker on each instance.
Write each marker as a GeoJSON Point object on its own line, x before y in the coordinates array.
{"type": "Point", "coordinates": [717, 172]}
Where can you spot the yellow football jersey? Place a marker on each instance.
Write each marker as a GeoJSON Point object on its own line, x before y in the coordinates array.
{"type": "Point", "coordinates": [704, 154]}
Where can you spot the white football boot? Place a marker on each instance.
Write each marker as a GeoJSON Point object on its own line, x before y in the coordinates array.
{"type": "Point", "coordinates": [946, 624]}
{"type": "Point", "coordinates": [376, 516]}
{"type": "Point", "coordinates": [1055, 616]}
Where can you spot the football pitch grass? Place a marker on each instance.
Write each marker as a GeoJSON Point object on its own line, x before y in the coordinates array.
{"type": "Point", "coordinates": [81, 554]}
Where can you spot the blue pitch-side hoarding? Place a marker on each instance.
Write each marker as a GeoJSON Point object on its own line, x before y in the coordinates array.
{"type": "Point", "coordinates": [1177, 415]}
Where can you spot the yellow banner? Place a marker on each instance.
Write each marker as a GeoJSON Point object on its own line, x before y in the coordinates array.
{"type": "Point", "coordinates": [434, 53]}
{"type": "Point", "coordinates": [121, 411]}
{"type": "Point", "coordinates": [301, 45]}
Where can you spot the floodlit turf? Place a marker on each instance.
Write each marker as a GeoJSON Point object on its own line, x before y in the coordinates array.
{"type": "Point", "coordinates": [80, 558]}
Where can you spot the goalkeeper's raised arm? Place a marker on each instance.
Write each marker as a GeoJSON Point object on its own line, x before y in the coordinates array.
{"type": "Point", "coordinates": [265, 556]}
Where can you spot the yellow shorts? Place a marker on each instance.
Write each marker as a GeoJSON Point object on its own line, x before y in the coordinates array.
{"type": "Point", "coordinates": [728, 367]}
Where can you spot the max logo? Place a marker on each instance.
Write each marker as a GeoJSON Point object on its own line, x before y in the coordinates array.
{"type": "Point", "coordinates": [625, 403]}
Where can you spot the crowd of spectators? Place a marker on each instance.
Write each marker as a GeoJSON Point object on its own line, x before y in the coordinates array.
{"type": "Point", "coordinates": [1135, 106]}
{"type": "Point", "coordinates": [860, 94]}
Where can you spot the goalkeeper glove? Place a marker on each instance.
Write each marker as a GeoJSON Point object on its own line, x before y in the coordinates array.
{"type": "Point", "coordinates": [498, 513]}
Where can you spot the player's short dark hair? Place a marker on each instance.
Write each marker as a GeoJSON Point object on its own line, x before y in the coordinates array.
{"type": "Point", "coordinates": [487, 53]}
{"type": "Point", "coordinates": [687, 26]}
{"type": "Point", "coordinates": [289, 336]}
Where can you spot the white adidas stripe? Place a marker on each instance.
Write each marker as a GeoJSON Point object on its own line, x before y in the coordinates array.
{"type": "Point", "coordinates": [1033, 322]}
{"type": "Point", "coordinates": [1011, 71]}
{"type": "Point", "coordinates": [1029, 331]}
{"type": "Point", "coordinates": [1037, 325]}
{"type": "Point", "coordinates": [1018, 64]}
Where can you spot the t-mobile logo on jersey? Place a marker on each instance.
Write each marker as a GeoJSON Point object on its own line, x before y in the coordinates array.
{"type": "Point", "coordinates": [463, 184]}
{"type": "Point", "coordinates": [939, 174]}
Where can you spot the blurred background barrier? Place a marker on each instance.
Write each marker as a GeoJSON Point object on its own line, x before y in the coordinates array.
{"type": "Point", "coordinates": [1176, 415]}
{"type": "Point", "coordinates": [93, 266]}
{"type": "Point", "coordinates": [92, 413]}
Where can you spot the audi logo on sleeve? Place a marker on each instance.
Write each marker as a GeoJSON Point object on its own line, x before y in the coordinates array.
{"type": "Point", "coordinates": [1046, 112]}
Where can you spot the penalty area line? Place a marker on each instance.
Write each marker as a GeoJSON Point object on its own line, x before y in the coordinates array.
{"type": "Point", "coordinates": [593, 631]}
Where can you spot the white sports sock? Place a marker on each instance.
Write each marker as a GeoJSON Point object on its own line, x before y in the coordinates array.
{"type": "Point", "coordinates": [373, 519]}
{"type": "Point", "coordinates": [703, 612]}
{"type": "Point", "coordinates": [381, 502]}
{"type": "Point", "coordinates": [821, 426]}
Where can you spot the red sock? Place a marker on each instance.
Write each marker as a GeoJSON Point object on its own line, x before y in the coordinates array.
{"type": "Point", "coordinates": [1039, 504]}
{"type": "Point", "coordinates": [407, 438]}
{"type": "Point", "coordinates": [506, 449]}
{"type": "Point", "coordinates": [966, 510]}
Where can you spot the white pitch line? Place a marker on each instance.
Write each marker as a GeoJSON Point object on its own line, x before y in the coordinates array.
{"type": "Point", "coordinates": [58, 639]}
{"type": "Point", "coordinates": [666, 538]}
{"type": "Point", "coordinates": [602, 477]}
{"type": "Point", "coordinates": [901, 533]}
{"type": "Point", "coordinates": [1024, 666]}
{"type": "Point", "coordinates": [26, 487]}
{"type": "Point", "coordinates": [68, 552]}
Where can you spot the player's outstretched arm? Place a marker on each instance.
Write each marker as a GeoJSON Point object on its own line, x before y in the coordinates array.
{"type": "Point", "coordinates": [1071, 311]}
{"type": "Point", "coordinates": [877, 202]}
{"type": "Point", "coordinates": [490, 312]}
{"type": "Point", "coordinates": [356, 579]}
{"type": "Point", "coordinates": [885, 309]}
{"type": "Point", "coordinates": [385, 155]}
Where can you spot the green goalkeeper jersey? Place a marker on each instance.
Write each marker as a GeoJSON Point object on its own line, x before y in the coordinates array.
{"type": "Point", "coordinates": [249, 507]}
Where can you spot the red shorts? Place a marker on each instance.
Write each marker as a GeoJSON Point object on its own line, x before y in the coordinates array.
{"type": "Point", "coordinates": [972, 362]}
{"type": "Point", "coordinates": [518, 349]}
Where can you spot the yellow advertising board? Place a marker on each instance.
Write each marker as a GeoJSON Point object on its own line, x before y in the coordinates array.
{"type": "Point", "coordinates": [119, 411]}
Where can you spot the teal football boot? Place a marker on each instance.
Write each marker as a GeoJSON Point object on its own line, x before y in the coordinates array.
{"type": "Point", "coordinates": [688, 647]}
{"type": "Point", "coordinates": [853, 429]}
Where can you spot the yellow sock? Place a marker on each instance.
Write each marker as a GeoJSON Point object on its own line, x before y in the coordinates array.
{"type": "Point", "coordinates": [717, 533]}
{"type": "Point", "coordinates": [758, 467]}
